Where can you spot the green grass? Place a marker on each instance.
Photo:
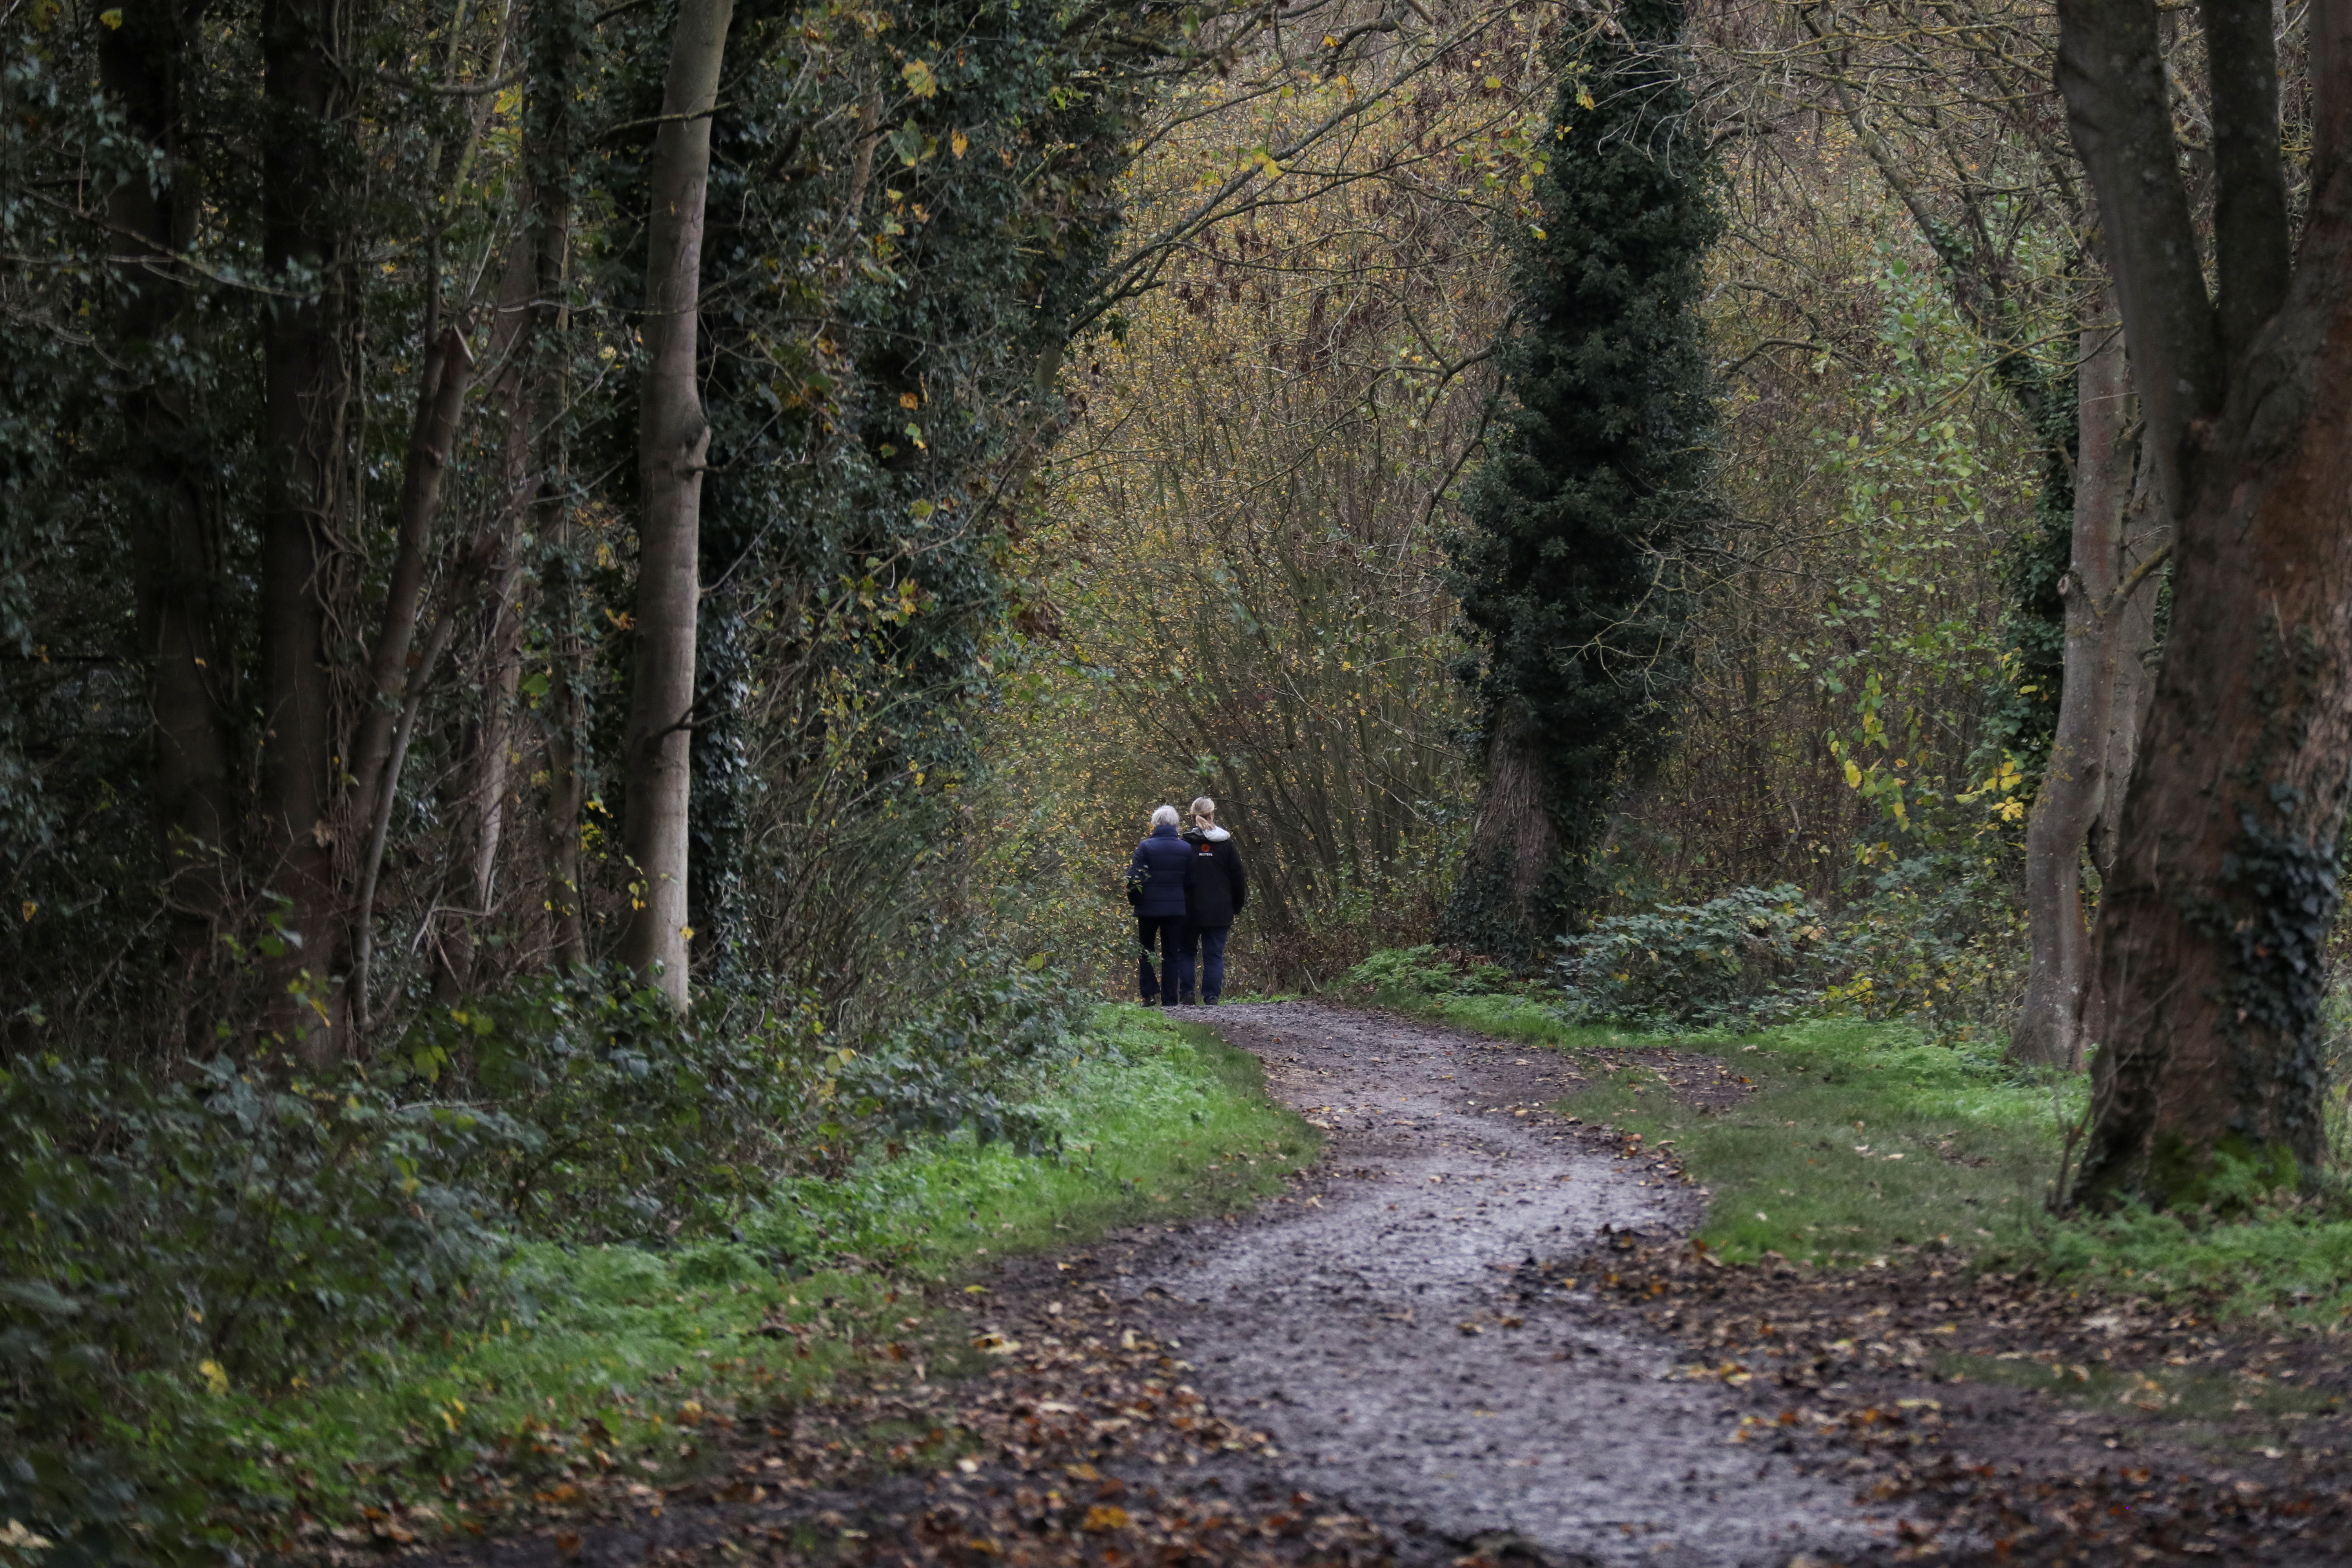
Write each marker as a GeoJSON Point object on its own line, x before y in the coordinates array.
{"type": "Point", "coordinates": [2287, 1258]}
{"type": "Point", "coordinates": [633, 1355]}
{"type": "Point", "coordinates": [1808, 1166]}
{"type": "Point", "coordinates": [1858, 1138]}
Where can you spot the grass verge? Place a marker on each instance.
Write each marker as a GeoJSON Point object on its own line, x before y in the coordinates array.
{"type": "Point", "coordinates": [1859, 1139]}
{"type": "Point", "coordinates": [1851, 1140]}
{"type": "Point", "coordinates": [640, 1358]}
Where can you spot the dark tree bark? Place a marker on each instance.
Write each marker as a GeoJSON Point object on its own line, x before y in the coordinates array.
{"type": "Point", "coordinates": [432, 437]}
{"type": "Point", "coordinates": [306, 392]}
{"type": "Point", "coordinates": [672, 440]}
{"type": "Point", "coordinates": [1514, 848]}
{"type": "Point", "coordinates": [1597, 482]}
{"type": "Point", "coordinates": [2213, 924]}
{"type": "Point", "coordinates": [550, 137]}
{"type": "Point", "coordinates": [2146, 546]}
{"type": "Point", "coordinates": [567, 786]}
{"type": "Point", "coordinates": [397, 675]}
{"type": "Point", "coordinates": [143, 65]}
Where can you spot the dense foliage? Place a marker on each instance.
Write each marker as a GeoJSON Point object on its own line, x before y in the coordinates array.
{"type": "Point", "coordinates": [232, 1228]}
{"type": "Point", "coordinates": [1590, 486]}
{"type": "Point", "coordinates": [906, 216]}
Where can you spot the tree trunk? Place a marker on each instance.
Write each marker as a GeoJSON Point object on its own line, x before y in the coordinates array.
{"type": "Point", "coordinates": [549, 137]}
{"type": "Point", "coordinates": [142, 64]}
{"type": "Point", "coordinates": [673, 437]}
{"type": "Point", "coordinates": [2074, 783]}
{"type": "Point", "coordinates": [567, 789]}
{"type": "Point", "coordinates": [1500, 901]}
{"type": "Point", "coordinates": [432, 437]}
{"type": "Point", "coordinates": [396, 676]}
{"type": "Point", "coordinates": [306, 390]}
{"type": "Point", "coordinates": [2214, 927]}
{"type": "Point", "coordinates": [2147, 543]}
{"type": "Point", "coordinates": [478, 806]}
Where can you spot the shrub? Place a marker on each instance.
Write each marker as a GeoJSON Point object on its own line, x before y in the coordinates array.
{"type": "Point", "coordinates": [1942, 945]}
{"type": "Point", "coordinates": [1413, 972]}
{"type": "Point", "coordinates": [637, 1121]}
{"type": "Point", "coordinates": [164, 1245]}
{"type": "Point", "coordinates": [1750, 958]}
{"type": "Point", "coordinates": [174, 1254]}
{"type": "Point", "coordinates": [966, 1056]}
{"type": "Point", "coordinates": [1937, 944]}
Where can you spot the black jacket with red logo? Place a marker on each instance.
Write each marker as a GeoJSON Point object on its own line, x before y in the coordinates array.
{"type": "Point", "coordinates": [1217, 889]}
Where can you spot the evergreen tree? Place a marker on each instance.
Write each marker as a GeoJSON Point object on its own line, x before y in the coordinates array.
{"type": "Point", "coordinates": [1596, 479]}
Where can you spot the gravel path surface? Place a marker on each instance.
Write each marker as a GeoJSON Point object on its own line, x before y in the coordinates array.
{"type": "Point", "coordinates": [1362, 1372]}
{"type": "Point", "coordinates": [1377, 1331]}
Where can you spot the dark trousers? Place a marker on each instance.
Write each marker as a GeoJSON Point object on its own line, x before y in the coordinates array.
{"type": "Point", "coordinates": [1172, 936]}
{"type": "Point", "coordinates": [1210, 940]}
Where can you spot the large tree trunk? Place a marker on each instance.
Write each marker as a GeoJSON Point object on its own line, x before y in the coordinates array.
{"type": "Point", "coordinates": [550, 136]}
{"type": "Point", "coordinates": [306, 390]}
{"type": "Point", "coordinates": [2213, 926]}
{"type": "Point", "coordinates": [673, 437]}
{"type": "Point", "coordinates": [1500, 905]}
{"type": "Point", "coordinates": [2076, 784]}
{"type": "Point", "coordinates": [142, 64]}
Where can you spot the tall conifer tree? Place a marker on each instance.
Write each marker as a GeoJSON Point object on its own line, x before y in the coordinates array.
{"type": "Point", "coordinates": [1598, 473]}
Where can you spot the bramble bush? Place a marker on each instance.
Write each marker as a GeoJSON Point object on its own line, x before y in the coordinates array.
{"type": "Point", "coordinates": [634, 1121]}
{"type": "Point", "coordinates": [1944, 948]}
{"type": "Point", "coordinates": [963, 1057]}
{"type": "Point", "coordinates": [1414, 973]}
{"type": "Point", "coordinates": [1932, 942]}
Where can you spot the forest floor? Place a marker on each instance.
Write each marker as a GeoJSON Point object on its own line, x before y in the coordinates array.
{"type": "Point", "coordinates": [1477, 1331]}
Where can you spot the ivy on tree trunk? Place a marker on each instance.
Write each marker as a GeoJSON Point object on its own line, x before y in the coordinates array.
{"type": "Point", "coordinates": [1595, 483]}
{"type": "Point", "coordinates": [2213, 923]}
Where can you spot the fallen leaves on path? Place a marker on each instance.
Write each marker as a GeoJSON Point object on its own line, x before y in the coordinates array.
{"type": "Point", "coordinates": [2011, 1421]}
{"type": "Point", "coordinates": [1082, 1446]}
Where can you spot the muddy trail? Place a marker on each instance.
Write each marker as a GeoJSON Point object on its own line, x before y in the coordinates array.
{"type": "Point", "coordinates": [1378, 1367]}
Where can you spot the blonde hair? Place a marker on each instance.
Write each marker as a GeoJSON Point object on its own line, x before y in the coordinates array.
{"type": "Point", "coordinates": [1164, 817]}
{"type": "Point", "coordinates": [1204, 807]}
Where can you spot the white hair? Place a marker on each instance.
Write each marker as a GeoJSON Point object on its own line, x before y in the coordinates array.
{"type": "Point", "coordinates": [1164, 817]}
{"type": "Point", "coordinates": [1204, 807]}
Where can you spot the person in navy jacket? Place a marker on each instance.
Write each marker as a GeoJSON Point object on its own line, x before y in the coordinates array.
{"type": "Point", "coordinates": [1155, 886]}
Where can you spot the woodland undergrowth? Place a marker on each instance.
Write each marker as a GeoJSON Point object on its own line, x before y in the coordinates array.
{"type": "Point", "coordinates": [255, 1311]}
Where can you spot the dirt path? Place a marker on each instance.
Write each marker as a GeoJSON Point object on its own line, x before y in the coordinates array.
{"type": "Point", "coordinates": [1372, 1371]}
{"type": "Point", "coordinates": [1383, 1331]}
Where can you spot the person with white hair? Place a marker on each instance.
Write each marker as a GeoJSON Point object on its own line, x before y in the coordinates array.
{"type": "Point", "coordinates": [1216, 890]}
{"type": "Point", "coordinates": [1155, 886]}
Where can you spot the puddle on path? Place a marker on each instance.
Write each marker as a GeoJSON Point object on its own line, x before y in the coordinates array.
{"type": "Point", "coordinates": [1371, 1335]}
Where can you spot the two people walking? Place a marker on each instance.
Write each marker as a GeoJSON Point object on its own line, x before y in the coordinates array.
{"type": "Point", "coordinates": [1186, 888]}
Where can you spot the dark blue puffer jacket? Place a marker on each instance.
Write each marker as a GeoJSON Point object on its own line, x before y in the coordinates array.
{"type": "Point", "coordinates": [1158, 871]}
